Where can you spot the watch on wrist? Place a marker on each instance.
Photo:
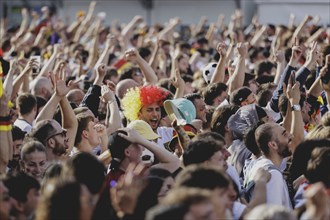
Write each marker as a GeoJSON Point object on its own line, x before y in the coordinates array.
{"type": "Point", "coordinates": [295, 108]}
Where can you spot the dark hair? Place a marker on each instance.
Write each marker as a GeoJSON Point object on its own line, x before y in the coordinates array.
{"type": "Point", "coordinates": [263, 97]}
{"type": "Point", "coordinates": [42, 131]}
{"type": "Point", "coordinates": [264, 67]}
{"type": "Point", "coordinates": [239, 95]}
{"type": "Point", "coordinates": [193, 96]}
{"type": "Point", "coordinates": [210, 135]}
{"type": "Point", "coordinates": [204, 177]}
{"type": "Point", "coordinates": [117, 146]}
{"type": "Point", "coordinates": [17, 133]}
{"type": "Point", "coordinates": [159, 172]}
{"type": "Point", "coordinates": [220, 118]}
{"type": "Point", "coordinates": [318, 168]}
{"type": "Point", "coordinates": [212, 91]}
{"type": "Point", "coordinates": [148, 197]}
{"type": "Point", "coordinates": [110, 73]}
{"type": "Point", "coordinates": [302, 154]}
{"type": "Point", "coordinates": [61, 202]}
{"type": "Point", "coordinates": [264, 134]}
{"type": "Point", "coordinates": [83, 121]}
{"type": "Point", "coordinates": [250, 140]}
{"type": "Point", "coordinates": [128, 73]}
{"type": "Point", "coordinates": [86, 169]}
{"type": "Point", "coordinates": [144, 52]}
{"type": "Point", "coordinates": [20, 184]}
{"type": "Point", "coordinates": [200, 151]}
{"type": "Point", "coordinates": [25, 103]}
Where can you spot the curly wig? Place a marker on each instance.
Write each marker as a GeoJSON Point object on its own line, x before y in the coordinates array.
{"type": "Point", "coordinates": [136, 98]}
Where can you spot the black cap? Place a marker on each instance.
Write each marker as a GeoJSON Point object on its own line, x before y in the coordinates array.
{"type": "Point", "coordinates": [117, 145]}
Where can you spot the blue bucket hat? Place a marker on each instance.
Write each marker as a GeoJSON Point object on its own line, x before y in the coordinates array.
{"type": "Point", "coordinates": [180, 109]}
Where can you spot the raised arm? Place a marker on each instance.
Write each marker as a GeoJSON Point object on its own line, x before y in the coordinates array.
{"type": "Point", "coordinates": [167, 160]}
{"type": "Point", "coordinates": [85, 22]}
{"type": "Point", "coordinates": [5, 124]}
{"type": "Point", "coordinates": [109, 98]}
{"type": "Point", "coordinates": [300, 27]}
{"type": "Point", "coordinates": [50, 63]}
{"type": "Point", "coordinates": [297, 125]}
{"type": "Point", "coordinates": [280, 61]}
{"type": "Point", "coordinates": [92, 97]}
{"type": "Point", "coordinates": [219, 72]}
{"type": "Point", "coordinates": [49, 110]}
{"type": "Point", "coordinates": [127, 31]}
{"type": "Point", "coordinates": [179, 84]}
{"type": "Point", "coordinates": [237, 79]}
{"type": "Point", "coordinates": [305, 70]}
{"type": "Point", "coordinates": [24, 74]}
{"type": "Point", "coordinates": [149, 74]}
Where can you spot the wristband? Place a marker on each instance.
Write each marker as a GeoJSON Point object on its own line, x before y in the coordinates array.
{"type": "Point", "coordinates": [6, 127]}
{"type": "Point", "coordinates": [5, 118]}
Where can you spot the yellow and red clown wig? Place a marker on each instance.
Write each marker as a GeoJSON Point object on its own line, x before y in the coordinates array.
{"type": "Point", "coordinates": [138, 97]}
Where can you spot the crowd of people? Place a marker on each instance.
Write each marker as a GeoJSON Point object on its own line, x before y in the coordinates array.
{"type": "Point", "coordinates": [131, 121]}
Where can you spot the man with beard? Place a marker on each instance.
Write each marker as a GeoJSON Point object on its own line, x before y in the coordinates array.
{"type": "Point", "coordinates": [18, 136]}
{"type": "Point", "coordinates": [52, 136]}
{"type": "Point", "coordinates": [145, 103]}
{"type": "Point", "coordinates": [273, 141]}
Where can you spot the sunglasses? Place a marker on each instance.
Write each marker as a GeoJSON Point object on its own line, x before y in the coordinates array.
{"type": "Point", "coordinates": [62, 133]}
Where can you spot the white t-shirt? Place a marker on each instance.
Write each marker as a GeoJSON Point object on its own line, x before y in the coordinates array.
{"type": "Point", "coordinates": [23, 125]}
{"type": "Point", "coordinates": [238, 209]}
{"type": "Point", "coordinates": [276, 189]}
{"type": "Point", "coordinates": [231, 171]}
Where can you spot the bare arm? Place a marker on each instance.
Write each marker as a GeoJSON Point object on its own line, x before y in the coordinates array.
{"type": "Point", "coordinates": [148, 72]}
{"type": "Point", "coordinates": [108, 97]}
{"type": "Point", "coordinates": [300, 27]}
{"type": "Point", "coordinates": [237, 79]}
{"type": "Point", "coordinates": [167, 160]}
{"type": "Point", "coordinates": [179, 84]}
{"type": "Point", "coordinates": [219, 72]}
{"type": "Point", "coordinates": [24, 74]}
{"type": "Point", "coordinates": [85, 22]}
{"type": "Point", "coordinates": [297, 125]}
{"type": "Point", "coordinates": [280, 60]}
{"type": "Point", "coordinates": [50, 63]}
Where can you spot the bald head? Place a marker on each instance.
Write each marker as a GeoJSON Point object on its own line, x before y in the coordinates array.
{"type": "Point", "coordinates": [123, 86]}
{"type": "Point", "coordinates": [42, 88]}
{"type": "Point", "coordinates": [75, 96]}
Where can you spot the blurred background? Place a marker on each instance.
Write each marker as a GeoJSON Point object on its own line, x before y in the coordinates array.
{"type": "Point", "coordinates": [190, 11]}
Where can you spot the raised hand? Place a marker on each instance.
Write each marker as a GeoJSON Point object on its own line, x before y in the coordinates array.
{"type": "Point", "coordinates": [100, 70]}
{"type": "Point", "coordinates": [313, 54]}
{"type": "Point", "coordinates": [296, 53]}
{"type": "Point", "coordinates": [178, 81]}
{"type": "Point", "coordinates": [132, 136]}
{"type": "Point", "coordinates": [111, 41]}
{"type": "Point", "coordinates": [279, 56]}
{"type": "Point", "coordinates": [293, 90]}
{"type": "Point", "coordinates": [221, 49]}
{"type": "Point", "coordinates": [58, 78]}
{"type": "Point", "coordinates": [106, 94]}
{"type": "Point", "coordinates": [131, 55]}
{"type": "Point", "coordinates": [242, 49]}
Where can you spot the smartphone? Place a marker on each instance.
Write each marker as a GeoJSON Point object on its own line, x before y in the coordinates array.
{"type": "Point", "coordinates": [38, 59]}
